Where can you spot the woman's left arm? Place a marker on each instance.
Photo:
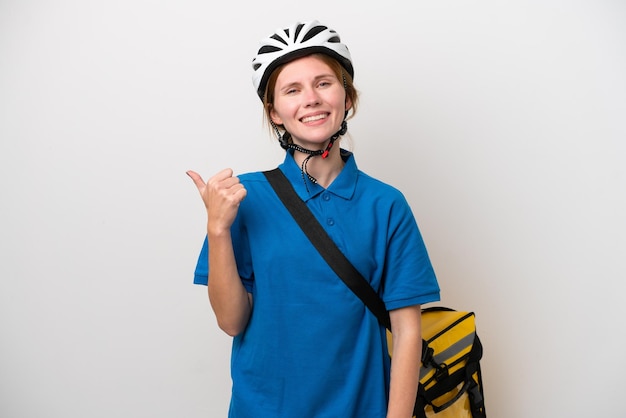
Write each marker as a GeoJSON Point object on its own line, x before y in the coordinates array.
{"type": "Point", "coordinates": [405, 360]}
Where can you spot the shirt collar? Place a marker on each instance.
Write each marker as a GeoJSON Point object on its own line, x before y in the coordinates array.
{"type": "Point", "coordinates": [343, 186]}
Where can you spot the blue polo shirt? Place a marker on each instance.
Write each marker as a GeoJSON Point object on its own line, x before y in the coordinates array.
{"type": "Point", "coordinates": [311, 348]}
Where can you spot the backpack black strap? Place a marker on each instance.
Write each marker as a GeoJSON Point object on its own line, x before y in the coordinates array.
{"type": "Point", "coordinates": [326, 246]}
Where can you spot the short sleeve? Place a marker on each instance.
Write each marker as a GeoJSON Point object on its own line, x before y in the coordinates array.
{"type": "Point", "coordinates": [242, 257]}
{"type": "Point", "coordinates": [409, 275]}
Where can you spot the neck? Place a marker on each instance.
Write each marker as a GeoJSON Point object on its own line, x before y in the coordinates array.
{"type": "Point", "coordinates": [324, 170]}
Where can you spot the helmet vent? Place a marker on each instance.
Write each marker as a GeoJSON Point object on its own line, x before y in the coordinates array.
{"type": "Point", "coordinates": [266, 49]}
{"type": "Point", "coordinates": [298, 29]}
{"type": "Point", "coordinates": [313, 31]}
{"type": "Point", "coordinates": [279, 39]}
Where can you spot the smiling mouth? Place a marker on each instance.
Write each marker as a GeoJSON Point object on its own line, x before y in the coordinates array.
{"type": "Point", "coordinates": [314, 118]}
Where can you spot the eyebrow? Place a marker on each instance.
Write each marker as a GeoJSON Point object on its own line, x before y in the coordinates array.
{"type": "Point", "coordinates": [316, 78]}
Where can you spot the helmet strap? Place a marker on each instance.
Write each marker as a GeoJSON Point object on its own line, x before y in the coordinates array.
{"type": "Point", "coordinates": [286, 143]}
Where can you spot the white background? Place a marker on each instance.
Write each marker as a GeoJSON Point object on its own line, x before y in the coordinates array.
{"type": "Point", "coordinates": [502, 122]}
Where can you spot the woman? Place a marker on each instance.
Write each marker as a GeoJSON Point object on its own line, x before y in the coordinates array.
{"type": "Point", "coordinates": [304, 345]}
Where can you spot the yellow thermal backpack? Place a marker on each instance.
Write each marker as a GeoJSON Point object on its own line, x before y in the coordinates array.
{"type": "Point", "coordinates": [450, 377]}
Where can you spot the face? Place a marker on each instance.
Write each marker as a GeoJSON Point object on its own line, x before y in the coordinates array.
{"type": "Point", "coordinates": [309, 101]}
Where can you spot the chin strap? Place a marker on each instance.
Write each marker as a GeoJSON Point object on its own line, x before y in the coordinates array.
{"type": "Point", "coordinates": [286, 143]}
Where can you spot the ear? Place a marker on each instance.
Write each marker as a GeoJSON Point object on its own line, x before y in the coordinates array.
{"type": "Point", "coordinates": [348, 103]}
{"type": "Point", "coordinates": [274, 116]}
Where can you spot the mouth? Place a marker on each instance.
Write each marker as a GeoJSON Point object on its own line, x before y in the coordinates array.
{"type": "Point", "coordinates": [313, 118]}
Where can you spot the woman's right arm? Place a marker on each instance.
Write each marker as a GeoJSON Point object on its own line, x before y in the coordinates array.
{"type": "Point", "coordinates": [232, 304]}
{"type": "Point", "coordinates": [230, 300]}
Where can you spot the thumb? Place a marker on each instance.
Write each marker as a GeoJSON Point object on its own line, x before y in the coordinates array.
{"type": "Point", "coordinates": [197, 179]}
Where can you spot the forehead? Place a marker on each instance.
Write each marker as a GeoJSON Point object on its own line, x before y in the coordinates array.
{"type": "Point", "coordinates": [302, 69]}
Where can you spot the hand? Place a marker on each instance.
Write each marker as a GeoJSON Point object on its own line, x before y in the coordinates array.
{"type": "Point", "coordinates": [221, 195]}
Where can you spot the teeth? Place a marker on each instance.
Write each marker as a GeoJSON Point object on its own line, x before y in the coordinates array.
{"type": "Point", "coordinates": [312, 118]}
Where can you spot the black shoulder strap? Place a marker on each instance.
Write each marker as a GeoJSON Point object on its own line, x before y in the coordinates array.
{"type": "Point", "coordinates": [326, 246]}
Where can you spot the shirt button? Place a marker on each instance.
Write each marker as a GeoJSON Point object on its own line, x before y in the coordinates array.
{"type": "Point", "coordinates": [330, 221]}
{"type": "Point", "coordinates": [326, 197]}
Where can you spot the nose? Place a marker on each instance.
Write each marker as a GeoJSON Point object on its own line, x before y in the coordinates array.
{"type": "Point", "coordinates": [311, 98]}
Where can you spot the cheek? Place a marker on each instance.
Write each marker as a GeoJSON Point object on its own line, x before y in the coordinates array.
{"type": "Point", "coordinates": [341, 100]}
{"type": "Point", "coordinates": [283, 111]}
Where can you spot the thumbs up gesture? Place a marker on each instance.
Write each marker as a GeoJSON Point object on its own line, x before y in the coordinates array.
{"type": "Point", "coordinates": [222, 194]}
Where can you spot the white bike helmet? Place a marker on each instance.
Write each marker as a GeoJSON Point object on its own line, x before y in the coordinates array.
{"type": "Point", "coordinates": [297, 41]}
